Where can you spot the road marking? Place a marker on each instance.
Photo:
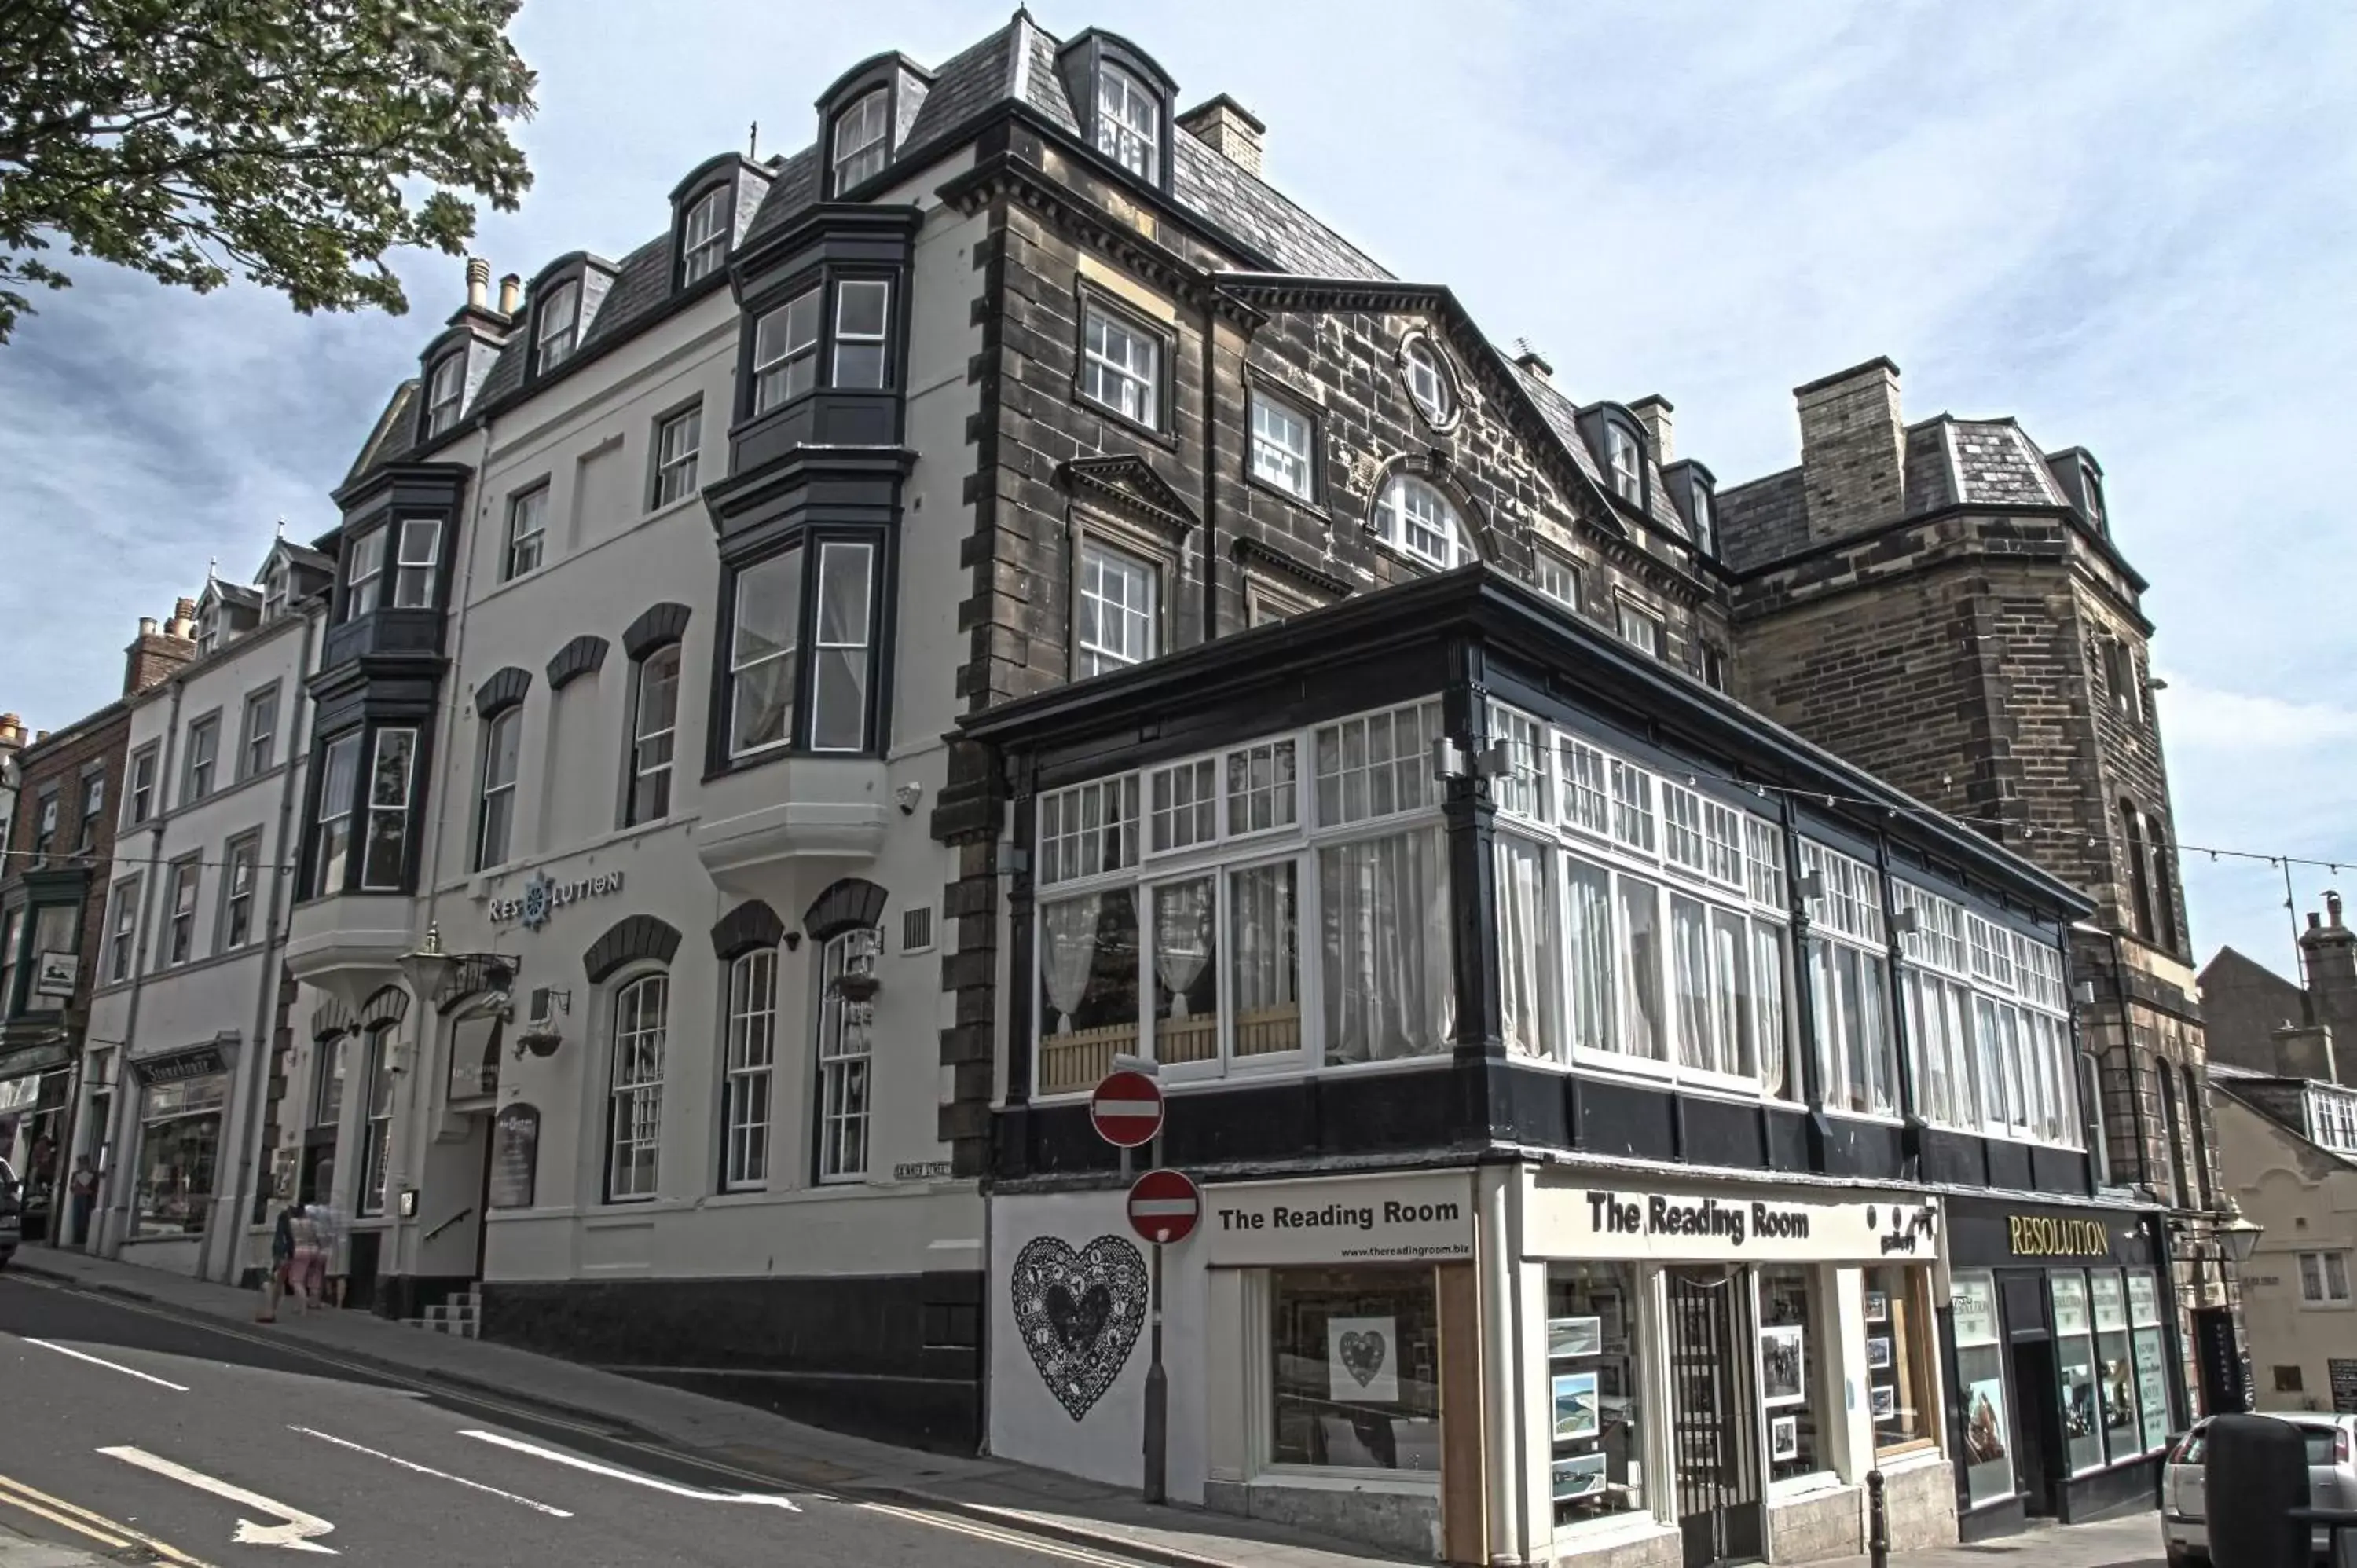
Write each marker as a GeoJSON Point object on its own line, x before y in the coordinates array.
{"type": "Point", "coordinates": [1003, 1537]}
{"type": "Point", "coordinates": [428, 1470]}
{"type": "Point", "coordinates": [294, 1534]}
{"type": "Point", "coordinates": [9, 1489]}
{"type": "Point", "coordinates": [695, 1493]}
{"type": "Point", "coordinates": [112, 1542]}
{"type": "Point", "coordinates": [109, 1366]}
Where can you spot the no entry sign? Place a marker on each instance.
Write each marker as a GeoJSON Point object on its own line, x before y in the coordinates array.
{"type": "Point", "coordinates": [1127, 1110]}
{"type": "Point", "coordinates": [1164, 1206]}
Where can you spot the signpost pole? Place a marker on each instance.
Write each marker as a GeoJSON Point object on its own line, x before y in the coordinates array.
{"type": "Point", "coordinates": [1157, 1381]}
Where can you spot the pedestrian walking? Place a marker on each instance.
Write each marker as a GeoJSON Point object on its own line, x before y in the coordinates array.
{"type": "Point", "coordinates": [81, 1197]}
{"type": "Point", "coordinates": [307, 1272]}
{"type": "Point", "coordinates": [282, 1261]}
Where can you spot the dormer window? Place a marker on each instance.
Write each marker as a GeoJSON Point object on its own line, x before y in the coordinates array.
{"type": "Point", "coordinates": [1427, 381]}
{"type": "Point", "coordinates": [862, 142]}
{"type": "Point", "coordinates": [446, 393]}
{"type": "Point", "coordinates": [208, 631]}
{"type": "Point", "coordinates": [1129, 122]}
{"type": "Point", "coordinates": [273, 592]}
{"type": "Point", "coordinates": [1705, 520]}
{"type": "Point", "coordinates": [1412, 516]}
{"type": "Point", "coordinates": [2091, 484]}
{"type": "Point", "coordinates": [1626, 460]}
{"type": "Point", "coordinates": [704, 238]}
{"type": "Point", "coordinates": [558, 327]}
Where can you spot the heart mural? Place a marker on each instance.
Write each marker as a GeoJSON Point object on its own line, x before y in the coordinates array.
{"type": "Point", "coordinates": [1079, 1311]}
{"type": "Point", "coordinates": [1363, 1356]}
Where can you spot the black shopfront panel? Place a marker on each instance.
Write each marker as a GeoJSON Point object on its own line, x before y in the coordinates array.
{"type": "Point", "coordinates": [2063, 1386]}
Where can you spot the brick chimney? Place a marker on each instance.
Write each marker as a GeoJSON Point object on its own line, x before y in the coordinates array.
{"type": "Point", "coordinates": [2304, 1050]}
{"type": "Point", "coordinates": [1853, 449]}
{"type": "Point", "coordinates": [157, 652]}
{"type": "Point", "coordinates": [1652, 411]}
{"type": "Point", "coordinates": [2327, 961]}
{"type": "Point", "coordinates": [1228, 128]}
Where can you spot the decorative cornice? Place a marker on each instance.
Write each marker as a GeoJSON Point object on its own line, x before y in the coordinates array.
{"type": "Point", "coordinates": [1128, 484]}
{"type": "Point", "coordinates": [1251, 552]}
{"type": "Point", "coordinates": [584, 655]}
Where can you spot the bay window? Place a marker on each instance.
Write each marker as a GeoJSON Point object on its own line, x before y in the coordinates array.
{"type": "Point", "coordinates": [331, 830]}
{"type": "Point", "coordinates": [801, 649]}
{"type": "Point", "coordinates": [1849, 968]}
{"type": "Point", "coordinates": [785, 351]}
{"type": "Point", "coordinates": [1988, 1024]}
{"type": "Point", "coordinates": [364, 573]}
{"type": "Point", "coordinates": [392, 781]}
{"type": "Point", "coordinates": [415, 561]}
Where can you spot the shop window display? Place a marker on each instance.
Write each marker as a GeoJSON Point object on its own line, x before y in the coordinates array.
{"type": "Point", "coordinates": [1980, 1376]}
{"type": "Point", "coordinates": [1900, 1345]}
{"type": "Point", "coordinates": [178, 1144]}
{"type": "Point", "coordinates": [2151, 1355]}
{"type": "Point", "coordinates": [2074, 1360]}
{"type": "Point", "coordinates": [1792, 1373]}
{"type": "Point", "coordinates": [1356, 1368]}
{"type": "Point", "coordinates": [2114, 1367]}
{"type": "Point", "coordinates": [1593, 1391]}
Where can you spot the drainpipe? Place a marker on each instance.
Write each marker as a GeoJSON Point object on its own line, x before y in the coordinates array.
{"type": "Point", "coordinates": [261, 1045]}
{"type": "Point", "coordinates": [1210, 480]}
{"type": "Point", "coordinates": [122, 1109]}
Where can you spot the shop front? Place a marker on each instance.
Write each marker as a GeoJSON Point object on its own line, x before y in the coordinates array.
{"type": "Point", "coordinates": [2065, 1390]}
{"type": "Point", "coordinates": [1714, 1369]}
{"type": "Point", "coordinates": [179, 1158]}
{"type": "Point", "coordinates": [33, 1092]}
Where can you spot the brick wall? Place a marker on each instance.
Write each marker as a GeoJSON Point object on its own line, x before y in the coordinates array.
{"type": "Point", "coordinates": [62, 764]}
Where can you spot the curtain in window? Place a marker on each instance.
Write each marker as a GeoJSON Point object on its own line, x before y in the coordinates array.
{"type": "Point", "coordinates": [1588, 936]}
{"type": "Point", "coordinates": [1388, 993]}
{"type": "Point", "coordinates": [1730, 973]}
{"type": "Point", "coordinates": [1525, 944]}
{"type": "Point", "coordinates": [1874, 1025]}
{"type": "Point", "coordinates": [1690, 954]}
{"type": "Point", "coordinates": [1182, 939]}
{"type": "Point", "coordinates": [1071, 930]}
{"type": "Point", "coordinates": [1640, 970]}
{"type": "Point", "coordinates": [1768, 994]}
{"type": "Point", "coordinates": [1264, 916]}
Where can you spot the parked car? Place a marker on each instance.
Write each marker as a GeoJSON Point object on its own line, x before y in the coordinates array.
{"type": "Point", "coordinates": [12, 1213]}
{"type": "Point", "coordinates": [2332, 1482]}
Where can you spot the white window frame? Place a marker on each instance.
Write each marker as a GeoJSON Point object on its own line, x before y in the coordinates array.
{"type": "Point", "coordinates": [1624, 461]}
{"type": "Point", "coordinates": [201, 779]}
{"type": "Point", "coordinates": [446, 393]}
{"type": "Point", "coordinates": [1410, 510]}
{"type": "Point", "coordinates": [878, 339]}
{"type": "Point", "coordinates": [376, 1121]}
{"type": "Point", "coordinates": [263, 702]}
{"type": "Point", "coordinates": [2330, 1267]}
{"type": "Point", "coordinates": [493, 791]}
{"type": "Point", "coordinates": [1137, 617]}
{"type": "Point", "coordinates": [364, 790]}
{"type": "Point", "coordinates": [184, 878]}
{"type": "Point", "coordinates": [664, 739]}
{"type": "Point", "coordinates": [364, 573]}
{"type": "Point", "coordinates": [241, 881]}
{"type": "Point", "coordinates": [415, 569]}
{"type": "Point", "coordinates": [1559, 577]}
{"type": "Point", "coordinates": [859, 140]}
{"type": "Point", "coordinates": [121, 932]}
{"type": "Point", "coordinates": [556, 326]}
{"type": "Point", "coordinates": [634, 1085]}
{"type": "Point", "coordinates": [1640, 628]}
{"type": "Point", "coordinates": [1427, 381]}
{"type": "Point", "coordinates": [139, 801]}
{"type": "Point", "coordinates": [844, 1051]}
{"type": "Point", "coordinates": [1129, 122]}
{"type": "Point", "coordinates": [750, 1054]}
{"type": "Point", "coordinates": [1121, 364]}
{"type": "Point", "coordinates": [527, 535]}
{"type": "Point", "coordinates": [1848, 919]}
{"type": "Point", "coordinates": [855, 560]}
{"type": "Point", "coordinates": [679, 442]}
{"type": "Point", "coordinates": [1283, 447]}
{"type": "Point", "coordinates": [703, 235]}
{"type": "Point", "coordinates": [785, 366]}
{"type": "Point", "coordinates": [739, 664]}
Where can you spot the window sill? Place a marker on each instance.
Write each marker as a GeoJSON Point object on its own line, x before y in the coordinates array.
{"type": "Point", "coordinates": [1920, 1454]}
{"type": "Point", "coordinates": [1430, 1061]}
{"type": "Point", "coordinates": [1337, 1479]}
{"type": "Point", "coordinates": [1115, 416]}
{"type": "Point", "coordinates": [1301, 503]}
{"type": "Point", "coordinates": [1804, 1488]}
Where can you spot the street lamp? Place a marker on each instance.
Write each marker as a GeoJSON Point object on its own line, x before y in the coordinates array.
{"type": "Point", "coordinates": [428, 966]}
{"type": "Point", "coordinates": [2240, 1234]}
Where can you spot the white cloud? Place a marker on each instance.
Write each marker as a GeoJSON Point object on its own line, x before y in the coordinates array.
{"type": "Point", "coordinates": [2128, 225]}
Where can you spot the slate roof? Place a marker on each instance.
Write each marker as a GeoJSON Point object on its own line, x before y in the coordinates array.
{"type": "Point", "coordinates": [1017, 63]}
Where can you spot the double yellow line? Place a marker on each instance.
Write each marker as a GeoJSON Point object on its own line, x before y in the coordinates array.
{"type": "Point", "coordinates": [114, 1537]}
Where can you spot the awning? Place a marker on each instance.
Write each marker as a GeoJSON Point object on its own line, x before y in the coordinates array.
{"type": "Point", "coordinates": [20, 1093]}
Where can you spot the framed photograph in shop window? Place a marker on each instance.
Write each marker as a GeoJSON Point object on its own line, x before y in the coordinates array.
{"type": "Point", "coordinates": [1885, 1400]}
{"type": "Point", "coordinates": [1783, 1367]}
{"type": "Point", "coordinates": [1877, 1306]}
{"type": "Point", "coordinates": [1575, 1337]}
{"type": "Point", "coordinates": [1878, 1353]}
{"type": "Point", "coordinates": [1580, 1476]}
{"type": "Point", "coordinates": [1784, 1437]}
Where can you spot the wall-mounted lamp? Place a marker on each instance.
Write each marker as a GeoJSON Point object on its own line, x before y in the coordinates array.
{"type": "Point", "coordinates": [908, 795]}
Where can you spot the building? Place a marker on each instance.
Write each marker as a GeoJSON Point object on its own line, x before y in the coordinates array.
{"type": "Point", "coordinates": [1947, 604]}
{"type": "Point", "coordinates": [184, 990]}
{"type": "Point", "coordinates": [954, 610]}
{"type": "Point", "coordinates": [2281, 1091]}
{"type": "Point", "coordinates": [51, 908]}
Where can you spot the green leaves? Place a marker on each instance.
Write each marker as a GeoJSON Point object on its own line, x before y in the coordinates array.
{"type": "Point", "coordinates": [292, 141]}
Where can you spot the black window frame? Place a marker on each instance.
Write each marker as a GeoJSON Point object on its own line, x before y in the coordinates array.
{"type": "Point", "coordinates": [86, 833]}
{"type": "Point", "coordinates": [46, 816]}
{"type": "Point", "coordinates": [826, 280]}
{"type": "Point", "coordinates": [719, 758]}
{"type": "Point", "coordinates": [1090, 297]}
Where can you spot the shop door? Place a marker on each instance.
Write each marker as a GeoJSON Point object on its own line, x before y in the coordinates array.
{"type": "Point", "coordinates": [2038, 1425]}
{"type": "Point", "coordinates": [1720, 1510]}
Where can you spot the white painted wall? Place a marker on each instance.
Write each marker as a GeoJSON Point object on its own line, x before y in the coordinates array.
{"type": "Point", "coordinates": [2305, 1200]}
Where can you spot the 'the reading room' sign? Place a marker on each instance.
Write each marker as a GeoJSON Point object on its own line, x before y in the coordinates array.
{"type": "Point", "coordinates": [515, 1157]}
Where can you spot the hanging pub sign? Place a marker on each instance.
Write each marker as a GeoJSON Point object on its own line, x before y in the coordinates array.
{"type": "Point", "coordinates": [55, 974]}
{"type": "Point", "coordinates": [515, 1157]}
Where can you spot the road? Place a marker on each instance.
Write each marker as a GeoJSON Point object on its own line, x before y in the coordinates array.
{"type": "Point", "coordinates": [139, 1437]}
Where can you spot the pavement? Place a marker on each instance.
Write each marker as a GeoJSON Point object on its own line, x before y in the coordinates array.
{"type": "Point", "coordinates": [425, 1447]}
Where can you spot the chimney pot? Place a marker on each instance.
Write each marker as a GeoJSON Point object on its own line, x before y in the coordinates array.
{"type": "Point", "coordinates": [2315, 920]}
{"type": "Point", "coordinates": [2332, 909]}
{"type": "Point", "coordinates": [147, 625]}
{"type": "Point", "coordinates": [511, 294]}
{"type": "Point", "coordinates": [1652, 411]}
{"type": "Point", "coordinates": [478, 283]}
{"type": "Point", "coordinates": [184, 609]}
{"type": "Point", "coordinates": [1228, 128]}
{"type": "Point", "coordinates": [1853, 449]}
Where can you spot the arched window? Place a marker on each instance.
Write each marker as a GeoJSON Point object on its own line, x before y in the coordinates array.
{"type": "Point", "coordinates": [1414, 517]}
{"type": "Point", "coordinates": [2132, 846]}
{"type": "Point", "coordinates": [634, 1095]}
{"type": "Point", "coordinates": [1427, 381]}
{"type": "Point", "coordinates": [861, 143]}
{"type": "Point", "coordinates": [495, 807]}
{"type": "Point", "coordinates": [558, 327]}
{"type": "Point", "coordinates": [704, 237]}
{"type": "Point", "coordinates": [654, 723]}
{"type": "Point", "coordinates": [750, 1053]}
{"type": "Point", "coordinates": [1129, 122]}
{"type": "Point", "coordinates": [846, 1016]}
{"type": "Point", "coordinates": [446, 393]}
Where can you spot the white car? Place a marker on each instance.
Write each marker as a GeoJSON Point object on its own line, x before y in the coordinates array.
{"type": "Point", "coordinates": [2332, 1482]}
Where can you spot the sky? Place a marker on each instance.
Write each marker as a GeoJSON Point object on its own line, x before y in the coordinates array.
{"type": "Point", "coordinates": [2129, 226]}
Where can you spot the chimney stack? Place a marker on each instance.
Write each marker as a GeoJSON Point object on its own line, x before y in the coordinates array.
{"type": "Point", "coordinates": [2304, 1050]}
{"type": "Point", "coordinates": [479, 283]}
{"type": "Point", "coordinates": [1853, 449]}
{"type": "Point", "coordinates": [1652, 411]}
{"type": "Point", "coordinates": [1229, 129]}
{"type": "Point", "coordinates": [2328, 962]}
{"type": "Point", "coordinates": [154, 655]}
{"type": "Point", "coordinates": [511, 294]}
